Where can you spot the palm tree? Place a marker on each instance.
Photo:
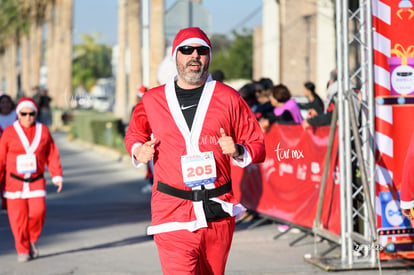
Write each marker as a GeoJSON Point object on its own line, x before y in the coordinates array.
{"type": "Point", "coordinates": [2, 68]}
{"type": "Point", "coordinates": [21, 24]}
{"type": "Point", "coordinates": [50, 49]}
{"type": "Point", "coordinates": [25, 64]}
{"type": "Point", "coordinates": [11, 57]}
{"type": "Point", "coordinates": [134, 41]}
{"type": "Point", "coordinates": [11, 23]}
{"type": "Point", "coordinates": [65, 52]}
{"type": "Point", "coordinates": [54, 68]}
{"type": "Point", "coordinates": [38, 11]}
{"type": "Point", "coordinates": [91, 61]}
{"type": "Point", "coordinates": [121, 85]}
{"type": "Point", "coordinates": [24, 42]}
{"type": "Point", "coordinates": [157, 39]}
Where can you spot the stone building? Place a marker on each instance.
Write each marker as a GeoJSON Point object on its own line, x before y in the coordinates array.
{"type": "Point", "coordinates": [296, 43]}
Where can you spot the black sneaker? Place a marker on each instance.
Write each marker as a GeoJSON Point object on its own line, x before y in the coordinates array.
{"type": "Point", "coordinates": [34, 252]}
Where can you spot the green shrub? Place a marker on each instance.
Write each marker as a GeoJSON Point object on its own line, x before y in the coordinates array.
{"type": "Point", "coordinates": [98, 128]}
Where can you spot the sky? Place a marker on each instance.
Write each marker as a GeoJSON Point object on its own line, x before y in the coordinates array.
{"type": "Point", "coordinates": [100, 16]}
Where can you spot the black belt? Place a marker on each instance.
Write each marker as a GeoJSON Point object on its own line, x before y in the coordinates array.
{"type": "Point", "coordinates": [194, 195]}
{"type": "Point", "coordinates": [27, 180]}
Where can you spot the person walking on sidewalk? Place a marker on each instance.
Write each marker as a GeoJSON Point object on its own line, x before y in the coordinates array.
{"type": "Point", "coordinates": [7, 117]}
{"type": "Point", "coordinates": [27, 146]}
{"type": "Point", "coordinates": [199, 125]}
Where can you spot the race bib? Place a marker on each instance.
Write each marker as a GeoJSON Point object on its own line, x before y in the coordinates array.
{"type": "Point", "coordinates": [198, 169]}
{"type": "Point", "coordinates": [26, 164]}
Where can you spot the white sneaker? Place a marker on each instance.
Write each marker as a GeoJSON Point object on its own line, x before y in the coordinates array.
{"type": "Point", "coordinates": [21, 258]}
{"type": "Point", "coordinates": [146, 189]}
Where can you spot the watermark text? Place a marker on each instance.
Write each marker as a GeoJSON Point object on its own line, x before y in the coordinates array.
{"type": "Point", "coordinates": [282, 153]}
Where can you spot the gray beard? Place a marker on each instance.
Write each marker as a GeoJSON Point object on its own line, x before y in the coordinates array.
{"type": "Point", "coordinates": [193, 78]}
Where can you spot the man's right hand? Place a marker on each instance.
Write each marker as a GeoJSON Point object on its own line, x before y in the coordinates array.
{"type": "Point", "coordinates": [408, 213]}
{"type": "Point", "coordinates": [145, 152]}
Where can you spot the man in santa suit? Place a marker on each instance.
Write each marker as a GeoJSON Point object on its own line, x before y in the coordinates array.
{"type": "Point", "coordinates": [407, 186]}
{"type": "Point", "coordinates": [26, 147]}
{"type": "Point", "coordinates": [198, 126]}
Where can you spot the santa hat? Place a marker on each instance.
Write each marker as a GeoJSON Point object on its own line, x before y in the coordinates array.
{"type": "Point", "coordinates": [188, 36]}
{"type": "Point", "coordinates": [26, 102]}
{"type": "Point", "coordinates": [141, 90]}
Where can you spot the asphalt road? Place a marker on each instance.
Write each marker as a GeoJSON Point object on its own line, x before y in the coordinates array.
{"type": "Point", "coordinates": [97, 226]}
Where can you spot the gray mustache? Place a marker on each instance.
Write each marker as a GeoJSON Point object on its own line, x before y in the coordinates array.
{"type": "Point", "coordinates": [193, 61]}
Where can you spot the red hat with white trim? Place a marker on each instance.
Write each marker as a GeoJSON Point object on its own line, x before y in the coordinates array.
{"type": "Point", "coordinates": [188, 36]}
{"type": "Point", "coordinates": [141, 90]}
{"type": "Point", "coordinates": [26, 102]}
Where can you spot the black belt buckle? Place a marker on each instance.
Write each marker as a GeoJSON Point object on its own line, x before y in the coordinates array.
{"type": "Point", "coordinates": [200, 195]}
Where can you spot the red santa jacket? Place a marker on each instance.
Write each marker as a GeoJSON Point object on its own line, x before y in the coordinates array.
{"type": "Point", "coordinates": [407, 186]}
{"type": "Point", "coordinates": [159, 113]}
{"type": "Point", "coordinates": [45, 149]}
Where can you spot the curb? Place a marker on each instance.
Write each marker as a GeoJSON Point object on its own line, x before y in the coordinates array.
{"type": "Point", "coordinates": [110, 153]}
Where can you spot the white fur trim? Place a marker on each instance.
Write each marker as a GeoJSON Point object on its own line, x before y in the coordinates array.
{"type": "Point", "coordinates": [29, 148]}
{"type": "Point", "coordinates": [191, 138]}
{"type": "Point", "coordinates": [26, 104]}
{"type": "Point", "coordinates": [172, 226]}
{"type": "Point", "coordinates": [247, 159]}
{"type": "Point", "coordinates": [57, 179]}
{"type": "Point", "coordinates": [234, 210]}
{"type": "Point", "coordinates": [25, 195]}
{"type": "Point", "coordinates": [407, 204]}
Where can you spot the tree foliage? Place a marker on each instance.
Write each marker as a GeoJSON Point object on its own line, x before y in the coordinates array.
{"type": "Point", "coordinates": [233, 57]}
{"type": "Point", "coordinates": [11, 21]}
{"type": "Point", "coordinates": [17, 15]}
{"type": "Point", "coordinates": [91, 62]}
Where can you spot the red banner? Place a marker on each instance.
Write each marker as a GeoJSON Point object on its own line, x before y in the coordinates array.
{"type": "Point", "coordinates": [394, 92]}
{"type": "Point", "coordinates": [286, 186]}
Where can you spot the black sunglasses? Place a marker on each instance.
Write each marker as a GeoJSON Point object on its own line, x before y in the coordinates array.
{"type": "Point", "coordinates": [201, 50]}
{"type": "Point", "coordinates": [25, 114]}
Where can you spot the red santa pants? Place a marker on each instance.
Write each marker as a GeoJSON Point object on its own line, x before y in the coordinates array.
{"type": "Point", "coordinates": [26, 217]}
{"type": "Point", "coordinates": [201, 252]}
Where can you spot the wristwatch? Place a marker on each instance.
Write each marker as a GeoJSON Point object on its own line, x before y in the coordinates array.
{"type": "Point", "coordinates": [240, 151]}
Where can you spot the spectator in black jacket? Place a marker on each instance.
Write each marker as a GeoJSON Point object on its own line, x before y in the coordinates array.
{"type": "Point", "coordinates": [263, 91]}
{"type": "Point", "coordinates": [323, 118]}
{"type": "Point", "coordinates": [315, 102]}
{"type": "Point", "coordinates": [315, 119]}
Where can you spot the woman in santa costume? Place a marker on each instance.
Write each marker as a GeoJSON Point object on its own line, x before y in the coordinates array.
{"type": "Point", "coordinates": [407, 185]}
{"type": "Point", "coordinates": [25, 148]}
{"type": "Point", "coordinates": [198, 126]}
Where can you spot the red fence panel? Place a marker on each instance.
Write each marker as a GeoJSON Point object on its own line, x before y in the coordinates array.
{"type": "Point", "coordinates": [286, 186]}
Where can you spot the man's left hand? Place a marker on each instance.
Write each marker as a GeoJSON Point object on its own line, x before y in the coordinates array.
{"type": "Point", "coordinates": [59, 185]}
{"type": "Point", "coordinates": [227, 144]}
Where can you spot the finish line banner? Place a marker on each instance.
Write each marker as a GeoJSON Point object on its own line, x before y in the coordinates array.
{"type": "Point", "coordinates": [394, 96]}
{"type": "Point", "coordinates": [286, 186]}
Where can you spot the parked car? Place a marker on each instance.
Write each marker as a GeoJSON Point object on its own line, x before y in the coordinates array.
{"type": "Point", "coordinates": [103, 95]}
